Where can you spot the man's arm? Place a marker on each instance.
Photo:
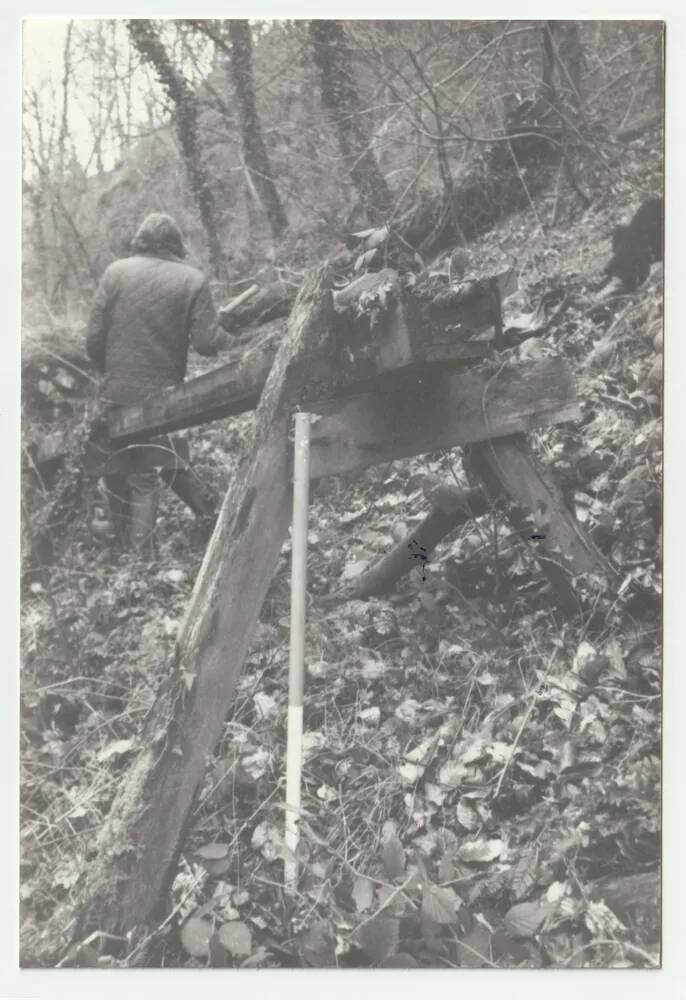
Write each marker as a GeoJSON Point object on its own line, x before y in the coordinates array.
{"type": "Point", "coordinates": [98, 323]}
{"type": "Point", "coordinates": [204, 331]}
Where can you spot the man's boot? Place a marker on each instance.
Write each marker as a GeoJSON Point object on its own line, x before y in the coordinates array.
{"type": "Point", "coordinates": [145, 491]}
{"type": "Point", "coordinates": [118, 498]}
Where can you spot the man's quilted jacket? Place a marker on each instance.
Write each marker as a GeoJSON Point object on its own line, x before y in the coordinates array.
{"type": "Point", "coordinates": [147, 310]}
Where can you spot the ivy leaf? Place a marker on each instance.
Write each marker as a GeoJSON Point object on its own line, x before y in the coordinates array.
{"type": "Point", "coordinates": [212, 852]}
{"type": "Point", "coordinates": [440, 905]}
{"type": "Point", "coordinates": [480, 850]}
{"type": "Point", "coordinates": [317, 945]}
{"type": "Point", "coordinates": [363, 893]}
{"type": "Point", "coordinates": [473, 950]}
{"type": "Point", "coordinates": [379, 937]}
{"type": "Point", "coordinates": [523, 875]}
{"type": "Point", "coordinates": [466, 815]}
{"type": "Point", "coordinates": [195, 937]}
{"type": "Point", "coordinates": [236, 938]}
{"type": "Point", "coordinates": [376, 238]}
{"type": "Point", "coordinates": [393, 857]}
{"type": "Point", "coordinates": [116, 749]}
{"type": "Point", "coordinates": [525, 919]}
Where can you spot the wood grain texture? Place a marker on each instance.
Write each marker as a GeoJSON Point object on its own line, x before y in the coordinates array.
{"type": "Point", "coordinates": [508, 468]}
{"type": "Point", "coordinates": [441, 410]}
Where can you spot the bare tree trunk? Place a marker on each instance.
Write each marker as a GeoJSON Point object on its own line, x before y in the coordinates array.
{"type": "Point", "coordinates": [64, 124]}
{"type": "Point", "coordinates": [254, 150]}
{"type": "Point", "coordinates": [570, 57]}
{"type": "Point", "coordinates": [180, 92]}
{"type": "Point", "coordinates": [333, 57]}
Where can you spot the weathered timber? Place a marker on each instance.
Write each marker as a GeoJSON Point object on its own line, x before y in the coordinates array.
{"type": "Point", "coordinates": [223, 392]}
{"type": "Point", "coordinates": [507, 467]}
{"type": "Point", "coordinates": [440, 410]}
{"type": "Point", "coordinates": [237, 301]}
{"type": "Point", "coordinates": [438, 523]}
{"type": "Point", "coordinates": [380, 331]}
{"type": "Point", "coordinates": [273, 301]}
{"type": "Point", "coordinates": [140, 842]}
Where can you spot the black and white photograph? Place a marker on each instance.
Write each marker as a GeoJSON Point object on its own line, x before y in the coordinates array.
{"type": "Point", "coordinates": [341, 494]}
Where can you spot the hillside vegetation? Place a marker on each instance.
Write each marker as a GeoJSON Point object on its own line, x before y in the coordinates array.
{"type": "Point", "coordinates": [481, 780]}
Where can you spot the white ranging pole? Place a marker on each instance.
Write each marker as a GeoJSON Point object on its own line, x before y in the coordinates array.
{"type": "Point", "coordinates": [296, 672]}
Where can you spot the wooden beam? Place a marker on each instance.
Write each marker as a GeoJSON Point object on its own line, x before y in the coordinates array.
{"type": "Point", "coordinates": [439, 522]}
{"type": "Point", "coordinates": [440, 410]}
{"type": "Point", "coordinates": [380, 330]}
{"type": "Point", "coordinates": [223, 392]}
{"type": "Point", "coordinates": [508, 468]}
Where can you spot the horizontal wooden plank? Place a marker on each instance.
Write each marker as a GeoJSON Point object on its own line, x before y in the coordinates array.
{"type": "Point", "coordinates": [441, 411]}
{"type": "Point", "coordinates": [223, 392]}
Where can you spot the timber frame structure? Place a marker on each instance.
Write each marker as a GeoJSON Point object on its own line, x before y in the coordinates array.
{"type": "Point", "coordinates": [388, 373]}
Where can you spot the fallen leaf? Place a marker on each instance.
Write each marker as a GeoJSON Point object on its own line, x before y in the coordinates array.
{"type": "Point", "coordinates": [363, 893]}
{"type": "Point", "coordinates": [266, 706]}
{"type": "Point", "coordinates": [212, 852]}
{"type": "Point", "coordinates": [370, 716]}
{"type": "Point", "coordinates": [407, 710]}
{"type": "Point", "coordinates": [268, 839]}
{"type": "Point", "coordinates": [355, 569]}
{"type": "Point", "coordinates": [116, 749]}
{"type": "Point", "coordinates": [236, 938]}
{"type": "Point", "coordinates": [440, 905]}
{"type": "Point", "coordinates": [480, 850]}
{"type": "Point", "coordinates": [523, 875]}
{"type": "Point", "coordinates": [467, 816]}
{"type": "Point", "coordinates": [379, 937]}
{"type": "Point", "coordinates": [393, 857]}
{"type": "Point", "coordinates": [473, 951]}
{"type": "Point", "coordinates": [446, 870]}
{"type": "Point", "coordinates": [326, 793]}
{"type": "Point", "coordinates": [195, 936]}
{"type": "Point", "coordinates": [317, 945]}
{"type": "Point", "coordinates": [410, 773]}
{"type": "Point", "coordinates": [371, 670]}
{"type": "Point", "coordinates": [253, 766]}
{"type": "Point", "coordinates": [447, 842]}
{"type": "Point", "coordinates": [434, 794]}
{"type": "Point", "coordinates": [452, 774]}
{"type": "Point", "coordinates": [525, 919]}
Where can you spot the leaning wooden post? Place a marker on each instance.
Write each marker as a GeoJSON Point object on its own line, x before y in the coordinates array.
{"type": "Point", "coordinates": [139, 844]}
{"type": "Point", "coordinates": [296, 672]}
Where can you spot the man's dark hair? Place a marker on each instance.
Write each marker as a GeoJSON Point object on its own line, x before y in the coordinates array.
{"type": "Point", "coordinates": [158, 234]}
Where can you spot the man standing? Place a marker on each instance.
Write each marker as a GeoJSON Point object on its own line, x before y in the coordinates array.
{"type": "Point", "coordinates": [148, 309]}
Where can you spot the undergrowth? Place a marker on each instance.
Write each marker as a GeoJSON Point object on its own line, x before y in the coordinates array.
{"type": "Point", "coordinates": [481, 781]}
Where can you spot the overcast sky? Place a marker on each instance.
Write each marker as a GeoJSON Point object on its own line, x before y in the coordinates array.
{"type": "Point", "coordinates": [43, 70]}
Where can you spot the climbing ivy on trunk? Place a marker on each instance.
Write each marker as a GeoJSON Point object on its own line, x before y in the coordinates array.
{"type": "Point", "coordinates": [147, 41]}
